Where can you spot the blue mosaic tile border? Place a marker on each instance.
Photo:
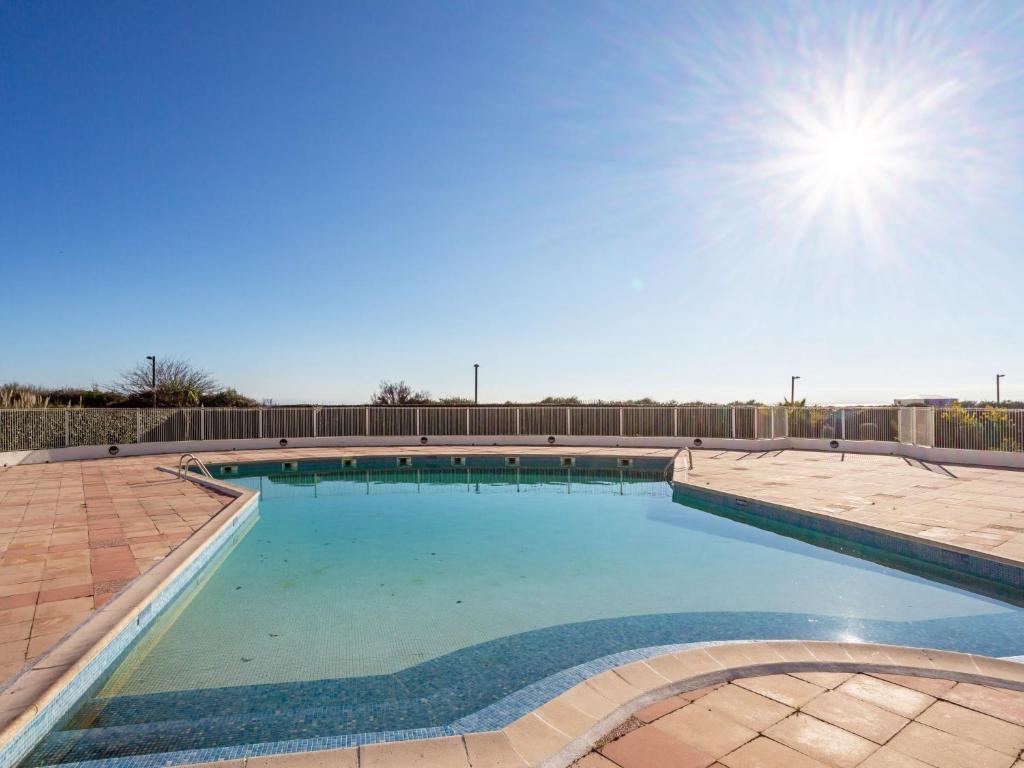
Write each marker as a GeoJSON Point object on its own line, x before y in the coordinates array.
{"type": "Point", "coordinates": [961, 562]}
{"type": "Point", "coordinates": [56, 709]}
{"type": "Point", "coordinates": [493, 717]}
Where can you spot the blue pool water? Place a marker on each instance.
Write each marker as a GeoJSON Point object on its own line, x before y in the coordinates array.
{"type": "Point", "coordinates": [435, 598]}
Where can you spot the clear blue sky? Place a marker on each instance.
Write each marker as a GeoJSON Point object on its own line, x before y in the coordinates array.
{"type": "Point", "coordinates": [689, 200]}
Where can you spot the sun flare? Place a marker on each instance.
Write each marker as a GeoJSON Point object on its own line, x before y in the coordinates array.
{"type": "Point", "coordinates": [873, 136]}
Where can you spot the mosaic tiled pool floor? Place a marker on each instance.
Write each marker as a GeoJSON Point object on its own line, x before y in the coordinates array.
{"type": "Point", "coordinates": [382, 599]}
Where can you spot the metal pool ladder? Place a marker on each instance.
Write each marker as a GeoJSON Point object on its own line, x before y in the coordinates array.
{"type": "Point", "coordinates": [670, 470]}
{"type": "Point", "coordinates": [186, 460]}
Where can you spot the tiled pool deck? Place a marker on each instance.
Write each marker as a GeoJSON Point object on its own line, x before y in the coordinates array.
{"type": "Point", "coordinates": [976, 509]}
{"type": "Point", "coordinates": [73, 533]}
{"type": "Point", "coordinates": [823, 719]}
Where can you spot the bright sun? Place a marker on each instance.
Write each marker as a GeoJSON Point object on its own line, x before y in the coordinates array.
{"type": "Point", "coordinates": [845, 155]}
{"type": "Point", "coordinates": [841, 154]}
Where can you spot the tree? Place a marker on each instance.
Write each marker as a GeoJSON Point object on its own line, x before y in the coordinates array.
{"type": "Point", "coordinates": [178, 382]}
{"type": "Point", "coordinates": [398, 393]}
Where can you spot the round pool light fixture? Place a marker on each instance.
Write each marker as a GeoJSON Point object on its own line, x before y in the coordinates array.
{"type": "Point", "coordinates": [423, 440]}
{"type": "Point", "coordinates": [283, 443]}
{"type": "Point", "coordinates": [113, 450]}
{"type": "Point", "coordinates": [551, 439]}
{"type": "Point", "coordinates": [697, 442]}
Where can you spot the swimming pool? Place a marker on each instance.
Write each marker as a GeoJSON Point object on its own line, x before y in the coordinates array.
{"type": "Point", "coordinates": [371, 600]}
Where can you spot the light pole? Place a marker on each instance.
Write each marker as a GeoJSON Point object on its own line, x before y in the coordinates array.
{"type": "Point", "coordinates": [152, 360]}
{"type": "Point", "coordinates": [792, 389]}
{"type": "Point", "coordinates": [476, 383]}
{"type": "Point", "coordinates": [998, 377]}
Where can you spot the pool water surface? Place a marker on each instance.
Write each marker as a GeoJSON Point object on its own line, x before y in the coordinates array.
{"type": "Point", "coordinates": [425, 599]}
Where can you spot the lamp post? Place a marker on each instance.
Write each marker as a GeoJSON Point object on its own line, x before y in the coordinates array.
{"type": "Point", "coordinates": [152, 360]}
{"type": "Point", "coordinates": [998, 377]}
{"type": "Point", "coordinates": [476, 383]}
{"type": "Point", "coordinates": [792, 389]}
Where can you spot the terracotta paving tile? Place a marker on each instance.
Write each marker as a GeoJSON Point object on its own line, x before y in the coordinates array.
{"type": "Point", "coordinates": [12, 632]}
{"type": "Point", "coordinates": [942, 750]}
{"type": "Point", "coordinates": [17, 601]}
{"type": "Point", "coordinates": [782, 688]}
{"type": "Point", "coordinates": [593, 760]}
{"type": "Point", "coordinates": [895, 698]}
{"type": "Point", "coordinates": [64, 593]}
{"type": "Point", "coordinates": [745, 707]}
{"type": "Point", "coordinates": [13, 651]}
{"type": "Point", "coordinates": [765, 753]}
{"type": "Point", "coordinates": [856, 716]}
{"type": "Point", "coordinates": [886, 757]}
{"type": "Point", "coordinates": [649, 747]}
{"type": "Point", "coordinates": [975, 726]}
{"type": "Point", "coordinates": [821, 741]}
{"type": "Point", "coordinates": [928, 685]}
{"type": "Point", "coordinates": [42, 642]}
{"type": "Point", "coordinates": [708, 731]}
{"type": "Point", "coordinates": [64, 527]}
{"type": "Point", "coordinates": [827, 680]}
{"type": "Point", "coordinates": [998, 702]}
{"type": "Point", "coordinates": [661, 708]}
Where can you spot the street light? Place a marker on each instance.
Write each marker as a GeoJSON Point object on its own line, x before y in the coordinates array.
{"type": "Point", "coordinates": [998, 377]}
{"type": "Point", "coordinates": [476, 383]}
{"type": "Point", "coordinates": [792, 389]}
{"type": "Point", "coordinates": [152, 360]}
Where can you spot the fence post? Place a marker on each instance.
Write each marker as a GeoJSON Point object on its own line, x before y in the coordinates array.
{"type": "Point", "coordinates": [316, 412]}
{"type": "Point", "coordinates": [568, 421]}
{"type": "Point", "coordinates": [67, 427]}
{"type": "Point", "coordinates": [771, 419]}
{"type": "Point", "coordinates": [842, 424]}
{"type": "Point", "coordinates": [675, 422]}
{"type": "Point", "coordinates": [732, 408]}
{"type": "Point", "coordinates": [418, 430]}
{"type": "Point", "coordinates": [367, 421]}
{"type": "Point", "coordinates": [518, 428]}
{"type": "Point", "coordinates": [138, 425]}
{"type": "Point", "coordinates": [755, 421]}
{"type": "Point", "coordinates": [622, 427]}
{"type": "Point", "coordinates": [259, 422]}
{"type": "Point", "coordinates": [202, 423]}
{"type": "Point", "coordinates": [467, 421]}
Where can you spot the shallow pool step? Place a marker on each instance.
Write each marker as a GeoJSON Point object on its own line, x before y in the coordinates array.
{"type": "Point", "coordinates": [215, 731]}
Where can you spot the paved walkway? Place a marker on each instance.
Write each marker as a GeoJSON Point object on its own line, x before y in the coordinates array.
{"type": "Point", "coordinates": [823, 720]}
{"type": "Point", "coordinates": [72, 534]}
{"type": "Point", "coordinates": [972, 508]}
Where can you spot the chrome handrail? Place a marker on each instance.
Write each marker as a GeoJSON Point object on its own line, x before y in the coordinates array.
{"type": "Point", "coordinates": [186, 460]}
{"type": "Point", "coordinates": [670, 470]}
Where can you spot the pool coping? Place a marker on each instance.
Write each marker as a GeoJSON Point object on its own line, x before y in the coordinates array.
{"type": "Point", "coordinates": [41, 694]}
{"type": "Point", "coordinates": [48, 689]}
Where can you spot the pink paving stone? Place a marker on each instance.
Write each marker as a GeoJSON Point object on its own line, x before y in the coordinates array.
{"type": "Point", "coordinates": [69, 520]}
{"type": "Point", "coordinates": [649, 747]}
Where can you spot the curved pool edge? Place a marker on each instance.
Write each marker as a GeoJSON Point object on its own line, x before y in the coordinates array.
{"type": "Point", "coordinates": [595, 698]}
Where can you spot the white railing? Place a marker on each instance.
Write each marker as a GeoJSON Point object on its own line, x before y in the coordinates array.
{"type": "Point", "coordinates": [974, 428]}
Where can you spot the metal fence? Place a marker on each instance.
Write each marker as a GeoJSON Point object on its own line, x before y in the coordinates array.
{"type": "Point", "coordinates": [970, 428]}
